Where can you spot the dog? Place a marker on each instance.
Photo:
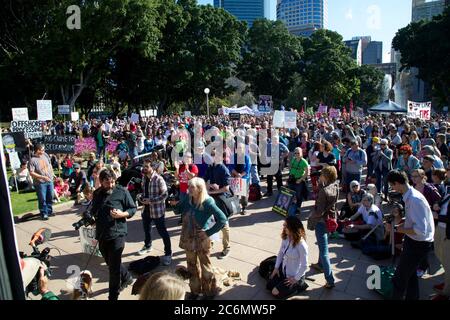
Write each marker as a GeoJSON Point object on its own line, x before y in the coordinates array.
{"type": "Point", "coordinates": [85, 289]}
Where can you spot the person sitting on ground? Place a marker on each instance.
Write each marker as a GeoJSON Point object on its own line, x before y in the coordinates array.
{"type": "Point", "coordinates": [163, 286]}
{"type": "Point", "coordinates": [90, 165]}
{"type": "Point", "coordinates": [77, 181]}
{"type": "Point", "coordinates": [67, 166]}
{"type": "Point", "coordinates": [288, 277]}
{"type": "Point", "coordinates": [61, 189]}
{"type": "Point", "coordinates": [23, 178]}
{"type": "Point", "coordinates": [354, 198]}
{"type": "Point", "coordinates": [372, 217]}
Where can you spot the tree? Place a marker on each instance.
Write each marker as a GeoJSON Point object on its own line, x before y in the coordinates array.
{"type": "Point", "coordinates": [331, 75]}
{"type": "Point", "coordinates": [422, 45]}
{"type": "Point", "coordinates": [271, 57]}
{"type": "Point", "coordinates": [371, 87]}
{"type": "Point", "coordinates": [64, 61]}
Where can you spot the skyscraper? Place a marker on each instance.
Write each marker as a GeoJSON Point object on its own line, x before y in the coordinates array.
{"type": "Point", "coordinates": [366, 51]}
{"type": "Point", "coordinates": [422, 9]}
{"type": "Point", "coordinates": [303, 17]}
{"type": "Point", "coordinates": [245, 10]}
{"type": "Point", "coordinates": [356, 46]}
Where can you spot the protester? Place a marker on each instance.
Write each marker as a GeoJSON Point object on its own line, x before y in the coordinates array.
{"type": "Point", "coordinates": [355, 159]}
{"type": "Point", "coordinates": [298, 175]}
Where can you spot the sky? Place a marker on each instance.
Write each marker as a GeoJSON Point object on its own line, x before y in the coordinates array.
{"type": "Point", "coordinates": [379, 19]}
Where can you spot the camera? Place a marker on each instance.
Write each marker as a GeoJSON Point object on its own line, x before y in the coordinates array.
{"type": "Point", "coordinates": [389, 218]}
{"type": "Point", "coordinates": [87, 220]}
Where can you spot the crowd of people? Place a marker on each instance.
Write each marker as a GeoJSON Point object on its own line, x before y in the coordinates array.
{"type": "Point", "coordinates": [405, 163]}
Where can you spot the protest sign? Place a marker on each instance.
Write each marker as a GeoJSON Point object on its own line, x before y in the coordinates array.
{"type": "Point", "coordinates": [14, 160]}
{"type": "Point", "coordinates": [44, 110]}
{"type": "Point", "coordinates": [142, 113]}
{"type": "Point", "coordinates": [290, 119]}
{"type": "Point", "coordinates": [420, 110]}
{"type": "Point", "coordinates": [265, 103]}
{"type": "Point", "coordinates": [64, 109]}
{"type": "Point", "coordinates": [235, 116]}
{"type": "Point", "coordinates": [88, 241]}
{"type": "Point", "coordinates": [59, 144]}
{"type": "Point", "coordinates": [32, 128]}
{"type": "Point", "coordinates": [283, 202]}
{"type": "Point", "coordinates": [14, 141]}
{"type": "Point", "coordinates": [74, 116]}
{"type": "Point", "coordinates": [278, 119]}
{"type": "Point", "coordinates": [239, 186]}
{"type": "Point", "coordinates": [20, 114]}
{"type": "Point", "coordinates": [334, 113]}
{"type": "Point", "coordinates": [323, 109]}
{"type": "Point", "coordinates": [134, 118]}
{"type": "Point", "coordinates": [187, 114]}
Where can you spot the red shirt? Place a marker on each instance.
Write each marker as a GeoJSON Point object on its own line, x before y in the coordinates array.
{"type": "Point", "coordinates": [184, 178]}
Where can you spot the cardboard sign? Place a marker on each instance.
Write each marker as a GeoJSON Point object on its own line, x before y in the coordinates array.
{"type": "Point", "coordinates": [60, 144]}
{"type": "Point", "coordinates": [20, 114]}
{"type": "Point", "coordinates": [284, 201]}
{"type": "Point", "coordinates": [290, 119]}
{"type": "Point", "coordinates": [239, 186]}
{"type": "Point", "coordinates": [14, 160]}
{"type": "Point", "coordinates": [74, 116]}
{"type": "Point", "coordinates": [32, 128]}
{"type": "Point", "coordinates": [235, 116]}
{"type": "Point", "coordinates": [419, 110]}
{"type": "Point", "coordinates": [14, 141]}
{"type": "Point", "coordinates": [88, 242]}
{"type": "Point", "coordinates": [44, 110]}
{"type": "Point", "coordinates": [64, 109]}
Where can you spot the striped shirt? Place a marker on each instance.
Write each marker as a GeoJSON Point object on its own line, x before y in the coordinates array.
{"type": "Point", "coordinates": [155, 189]}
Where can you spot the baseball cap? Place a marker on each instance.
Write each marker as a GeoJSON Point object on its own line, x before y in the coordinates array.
{"type": "Point", "coordinates": [76, 166]}
{"type": "Point", "coordinates": [376, 139]}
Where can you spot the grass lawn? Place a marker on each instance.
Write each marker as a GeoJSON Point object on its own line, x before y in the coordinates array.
{"type": "Point", "coordinates": [26, 202]}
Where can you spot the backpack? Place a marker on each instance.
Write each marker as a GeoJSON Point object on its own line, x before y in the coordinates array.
{"type": "Point", "coordinates": [144, 265]}
{"type": "Point", "coordinates": [254, 193]}
{"type": "Point", "coordinates": [267, 266]}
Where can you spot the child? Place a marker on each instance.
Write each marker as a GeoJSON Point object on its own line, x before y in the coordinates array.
{"type": "Point", "coordinates": [88, 193]}
{"type": "Point", "coordinates": [61, 189]}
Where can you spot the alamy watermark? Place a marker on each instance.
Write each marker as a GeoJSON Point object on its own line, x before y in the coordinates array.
{"type": "Point", "coordinates": [73, 22]}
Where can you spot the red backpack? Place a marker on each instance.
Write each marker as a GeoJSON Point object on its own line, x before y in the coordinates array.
{"type": "Point", "coordinates": [254, 193]}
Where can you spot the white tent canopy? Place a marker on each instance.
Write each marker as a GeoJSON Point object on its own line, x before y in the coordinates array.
{"type": "Point", "coordinates": [242, 110]}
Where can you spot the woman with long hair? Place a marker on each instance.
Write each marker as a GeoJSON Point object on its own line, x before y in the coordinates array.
{"type": "Point", "coordinates": [415, 143]}
{"type": "Point", "coordinates": [288, 277]}
{"type": "Point", "coordinates": [324, 208]}
{"type": "Point", "coordinates": [197, 210]}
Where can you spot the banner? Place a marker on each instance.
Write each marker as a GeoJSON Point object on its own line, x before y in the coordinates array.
{"type": "Point", "coordinates": [64, 109]}
{"type": "Point", "coordinates": [44, 110]}
{"type": "Point", "coordinates": [420, 110]}
{"type": "Point", "coordinates": [32, 128]}
{"type": "Point", "coordinates": [334, 113]}
{"type": "Point", "coordinates": [60, 144]}
{"type": "Point", "coordinates": [14, 160]}
{"type": "Point", "coordinates": [323, 109]}
{"type": "Point", "coordinates": [14, 141]}
{"type": "Point", "coordinates": [265, 103]}
{"type": "Point", "coordinates": [20, 114]}
{"type": "Point", "coordinates": [290, 119]}
{"type": "Point", "coordinates": [283, 202]}
{"type": "Point", "coordinates": [74, 116]}
{"type": "Point", "coordinates": [88, 242]}
{"type": "Point", "coordinates": [239, 186]}
{"type": "Point", "coordinates": [142, 113]}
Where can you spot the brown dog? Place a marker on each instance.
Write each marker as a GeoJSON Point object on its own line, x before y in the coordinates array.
{"type": "Point", "coordinates": [85, 289]}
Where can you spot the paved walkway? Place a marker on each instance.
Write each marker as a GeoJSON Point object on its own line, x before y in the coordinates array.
{"type": "Point", "coordinates": [254, 237]}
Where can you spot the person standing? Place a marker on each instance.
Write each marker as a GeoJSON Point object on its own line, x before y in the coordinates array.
{"type": "Point", "coordinates": [196, 211]}
{"type": "Point", "coordinates": [41, 171]}
{"type": "Point", "coordinates": [382, 163]}
{"type": "Point", "coordinates": [355, 159]}
{"type": "Point", "coordinates": [154, 200]}
{"type": "Point", "coordinates": [298, 175]}
{"type": "Point", "coordinates": [325, 206]}
{"type": "Point", "coordinates": [111, 206]}
{"type": "Point", "coordinates": [419, 230]}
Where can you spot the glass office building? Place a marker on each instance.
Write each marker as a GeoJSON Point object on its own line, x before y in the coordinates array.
{"type": "Point", "coordinates": [245, 10]}
{"type": "Point", "coordinates": [303, 17]}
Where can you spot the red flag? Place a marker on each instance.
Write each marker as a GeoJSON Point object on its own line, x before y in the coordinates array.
{"type": "Point", "coordinates": [303, 110]}
{"type": "Point", "coordinates": [351, 107]}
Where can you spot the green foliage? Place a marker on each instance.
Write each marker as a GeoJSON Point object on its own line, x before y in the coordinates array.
{"type": "Point", "coordinates": [271, 57]}
{"type": "Point", "coordinates": [371, 87]}
{"type": "Point", "coordinates": [422, 45]}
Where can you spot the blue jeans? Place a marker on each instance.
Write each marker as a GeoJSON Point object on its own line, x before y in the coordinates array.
{"type": "Point", "coordinates": [160, 224]}
{"type": "Point", "coordinates": [44, 193]}
{"type": "Point", "coordinates": [324, 259]}
{"type": "Point", "coordinates": [299, 190]}
{"type": "Point", "coordinates": [101, 152]}
{"type": "Point", "coordinates": [349, 177]}
{"type": "Point", "coordinates": [254, 174]}
{"type": "Point", "coordinates": [382, 181]}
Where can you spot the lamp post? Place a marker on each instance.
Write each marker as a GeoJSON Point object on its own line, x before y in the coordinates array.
{"type": "Point", "coordinates": [304, 100]}
{"type": "Point", "coordinates": [207, 100]}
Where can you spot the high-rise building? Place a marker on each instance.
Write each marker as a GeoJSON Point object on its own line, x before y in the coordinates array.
{"type": "Point", "coordinates": [245, 10]}
{"type": "Point", "coordinates": [425, 10]}
{"type": "Point", "coordinates": [303, 17]}
{"type": "Point", "coordinates": [366, 51]}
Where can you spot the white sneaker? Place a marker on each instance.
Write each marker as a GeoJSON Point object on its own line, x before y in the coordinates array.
{"type": "Point", "coordinates": [144, 250]}
{"type": "Point", "coordinates": [166, 260]}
